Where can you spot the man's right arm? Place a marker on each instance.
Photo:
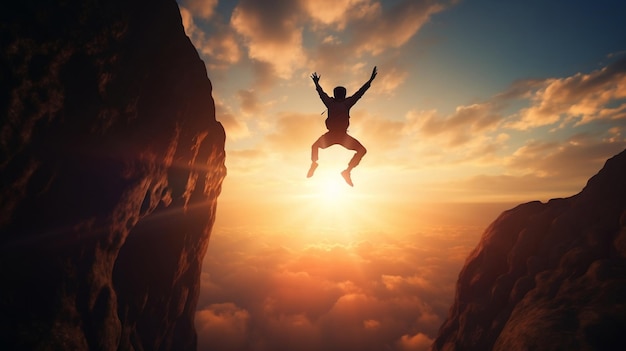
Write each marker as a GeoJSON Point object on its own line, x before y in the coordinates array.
{"type": "Point", "coordinates": [325, 98]}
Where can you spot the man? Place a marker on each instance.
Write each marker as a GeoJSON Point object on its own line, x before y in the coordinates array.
{"type": "Point", "coordinates": [337, 124]}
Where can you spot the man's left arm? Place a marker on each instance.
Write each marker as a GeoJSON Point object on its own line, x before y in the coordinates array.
{"type": "Point", "coordinates": [364, 88]}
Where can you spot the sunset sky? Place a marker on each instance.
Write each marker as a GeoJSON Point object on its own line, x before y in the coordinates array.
{"type": "Point", "coordinates": [478, 106]}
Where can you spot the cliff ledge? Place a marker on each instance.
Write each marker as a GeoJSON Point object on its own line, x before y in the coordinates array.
{"type": "Point", "coordinates": [548, 276]}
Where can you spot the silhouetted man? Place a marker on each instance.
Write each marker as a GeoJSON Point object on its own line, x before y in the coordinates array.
{"type": "Point", "coordinates": [337, 124]}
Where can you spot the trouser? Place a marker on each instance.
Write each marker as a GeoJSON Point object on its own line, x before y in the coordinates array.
{"type": "Point", "coordinates": [343, 139]}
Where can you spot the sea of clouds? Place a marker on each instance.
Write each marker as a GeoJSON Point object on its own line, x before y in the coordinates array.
{"type": "Point", "coordinates": [367, 291]}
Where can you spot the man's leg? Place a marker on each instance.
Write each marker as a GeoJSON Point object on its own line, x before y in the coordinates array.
{"type": "Point", "coordinates": [321, 142]}
{"type": "Point", "coordinates": [351, 143]}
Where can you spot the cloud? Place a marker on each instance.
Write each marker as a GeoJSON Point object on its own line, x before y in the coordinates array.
{"type": "Point", "coordinates": [220, 47]}
{"type": "Point", "coordinates": [200, 8]}
{"type": "Point", "coordinates": [272, 32]}
{"type": "Point", "coordinates": [392, 28]}
{"type": "Point", "coordinates": [249, 101]}
{"type": "Point", "coordinates": [296, 131]}
{"type": "Point", "coordinates": [582, 98]}
{"type": "Point", "coordinates": [246, 161]}
{"type": "Point", "coordinates": [481, 132]}
{"type": "Point", "coordinates": [507, 187]}
{"type": "Point", "coordinates": [417, 342]}
{"type": "Point", "coordinates": [378, 133]}
{"type": "Point", "coordinates": [541, 169]}
{"type": "Point", "coordinates": [345, 30]}
{"type": "Point", "coordinates": [264, 74]}
{"type": "Point", "coordinates": [374, 293]}
{"type": "Point", "coordinates": [235, 129]}
{"type": "Point", "coordinates": [223, 324]}
{"type": "Point", "coordinates": [465, 126]}
{"type": "Point", "coordinates": [392, 78]}
{"type": "Point", "coordinates": [337, 13]}
{"type": "Point", "coordinates": [369, 28]}
{"type": "Point", "coordinates": [458, 127]}
{"type": "Point", "coordinates": [191, 29]}
{"type": "Point", "coordinates": [578, 157]}
{"type": "Point", "coordinates": [371, 324]}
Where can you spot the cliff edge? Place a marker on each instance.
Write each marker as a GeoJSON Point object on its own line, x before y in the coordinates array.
{"type": "Point", "coordinates": [111, 162]}
{"type": "Point", "coordinates": [548, 276]}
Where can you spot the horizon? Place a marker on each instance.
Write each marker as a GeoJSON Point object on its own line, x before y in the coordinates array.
{"type": "Point", "coordinates": [478, 106]}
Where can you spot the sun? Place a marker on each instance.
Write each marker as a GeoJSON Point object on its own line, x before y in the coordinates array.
{"type": "Point", "coordinates": [330, 189]}
{"type": "Point", "coordinates": [325, 207]}
{"type": "Point", "coordinates": [327, 186]}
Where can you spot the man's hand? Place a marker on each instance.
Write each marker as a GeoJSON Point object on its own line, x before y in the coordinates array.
{"type": "Point", "coordinates": [374, 73]}
{"type": "Point", "coordinates": [315, 77]}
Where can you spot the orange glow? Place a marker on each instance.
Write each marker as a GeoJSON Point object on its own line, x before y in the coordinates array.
{"type": "Point", "coordinates": [311, 264]}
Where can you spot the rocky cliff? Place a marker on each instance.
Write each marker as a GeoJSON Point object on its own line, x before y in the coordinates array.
{"type": "Point", "coordinates": [548, 276]}
{"type": "Point", "coordinates": [111, 161]}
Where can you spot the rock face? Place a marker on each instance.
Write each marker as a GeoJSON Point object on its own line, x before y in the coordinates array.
{"type": "Point", "coordinates": [111, 163]}
{"type": "Point", "coordinates": [548, 276]}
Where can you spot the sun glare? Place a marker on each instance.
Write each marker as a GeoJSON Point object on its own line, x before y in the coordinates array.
{"type": "Point", "coordinates": [326, 206]}
{"type": "Point", "coordinates": [330, 188]}
{"type": "Point", "coordinates": [327, 186]}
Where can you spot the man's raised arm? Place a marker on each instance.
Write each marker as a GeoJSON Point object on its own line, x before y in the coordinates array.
{"type": "Point", "coordinates": [365, 86]}
{"type": "Point", "coordinates": [316, 79]}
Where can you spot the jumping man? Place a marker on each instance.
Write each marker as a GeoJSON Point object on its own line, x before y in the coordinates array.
{"type": "Point", "coordinates": [337, 124]}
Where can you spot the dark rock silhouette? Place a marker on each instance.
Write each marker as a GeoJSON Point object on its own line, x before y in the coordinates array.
{"type": "Point", "coordinates": [548, 276]}
{"type": "Point", "coordinates": [111, 161]}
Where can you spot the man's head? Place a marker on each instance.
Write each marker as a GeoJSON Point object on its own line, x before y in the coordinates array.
{"type": "Point", "coordinates": [340, 93]}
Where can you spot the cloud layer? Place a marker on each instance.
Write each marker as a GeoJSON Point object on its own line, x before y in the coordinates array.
{"type": "Point", "coordinates": [373, 293]}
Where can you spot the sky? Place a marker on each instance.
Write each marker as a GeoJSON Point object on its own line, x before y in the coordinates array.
{"type": "Point", "coordinates": [478, 106]}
